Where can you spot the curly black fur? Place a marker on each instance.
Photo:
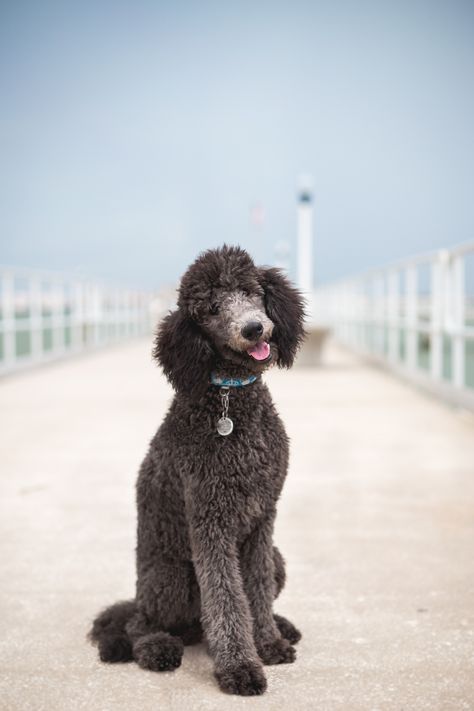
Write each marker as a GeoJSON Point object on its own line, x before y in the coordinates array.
{"type": "Point", "coordinates": [108, 632]}
{"type": "Point", "coordinates": [206, 504]}
{"type": "Point", "coordinates": [158, 651]}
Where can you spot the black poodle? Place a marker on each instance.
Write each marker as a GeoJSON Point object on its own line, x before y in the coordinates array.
{"type": "Point", "coordinates": [208, 487]}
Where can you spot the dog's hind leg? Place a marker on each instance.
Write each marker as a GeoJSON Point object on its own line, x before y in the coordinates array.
{"type": "Point", "coordinates": [167, 615]}
{"type": "Point", "coordinates": [280, 573]}
{"type": "Point", "coordinates": [190, 633]}
{"type": "Point", "coordinates": [285, 627]}
{"type": "Point", "coordinates": [108, 632]}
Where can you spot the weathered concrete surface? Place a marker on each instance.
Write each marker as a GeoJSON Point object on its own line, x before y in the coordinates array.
{"type": "Point", "coordinates": [376, 523]}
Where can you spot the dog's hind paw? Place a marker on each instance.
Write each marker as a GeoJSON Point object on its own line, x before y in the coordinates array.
{"type": "Point", "coordinates": [287, 629]}
{"type": "Point", "coordinates": [279, 651]}
{"type": "Point", "coordinates": [158, 651]}
{"type": "Point", "coordinates": [114, 649]}
{"type": "Point", "coordinates": [245, 680]}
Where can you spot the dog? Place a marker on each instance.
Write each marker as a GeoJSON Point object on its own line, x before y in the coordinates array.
{"type": "Point", "coordinates": [208, 487]}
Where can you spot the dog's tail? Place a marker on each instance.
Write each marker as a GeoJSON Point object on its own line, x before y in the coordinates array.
{"type": "Point", "coordinates": [109, 634]}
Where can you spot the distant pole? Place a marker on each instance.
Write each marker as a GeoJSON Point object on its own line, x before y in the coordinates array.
{"type": "Point", "coordinates": [282, 255]}
{"type": "Point", "coordinates": [305, 235]}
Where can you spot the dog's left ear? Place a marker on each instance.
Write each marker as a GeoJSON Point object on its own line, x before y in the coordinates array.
{"type": "Point", "coordinates": [285, 307]}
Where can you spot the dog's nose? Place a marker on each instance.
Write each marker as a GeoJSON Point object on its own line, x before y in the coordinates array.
{"type": "Point", "coordinates": [252, 330]}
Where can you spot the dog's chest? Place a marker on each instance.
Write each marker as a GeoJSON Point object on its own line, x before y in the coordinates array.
{"type": "Point", "coordinates": [242, 479]}
{"type": "Point", "coordinates": [236, 478]}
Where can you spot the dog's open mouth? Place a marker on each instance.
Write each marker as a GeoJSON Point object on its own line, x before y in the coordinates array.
{"type": "Point", "coordinates": [260, 351]}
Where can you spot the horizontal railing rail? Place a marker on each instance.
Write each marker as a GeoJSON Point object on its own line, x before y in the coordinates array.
{"type": "Point", "coordinates": [45, 316]}
{"type": "Point", "coordinates": [416, 316]}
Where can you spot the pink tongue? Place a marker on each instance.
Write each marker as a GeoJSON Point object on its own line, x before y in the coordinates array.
{"type": "Point", "coordinates": [260, 351]}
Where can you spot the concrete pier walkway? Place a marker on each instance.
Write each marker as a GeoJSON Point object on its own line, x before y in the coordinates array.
{"type": "Point", "coordinates": [376, 523]}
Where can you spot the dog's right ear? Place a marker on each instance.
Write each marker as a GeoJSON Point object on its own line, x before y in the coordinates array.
{"type": "Point", "coordinates": [184, 353]}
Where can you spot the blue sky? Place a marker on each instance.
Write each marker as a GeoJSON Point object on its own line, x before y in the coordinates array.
{"type": "Point", "coordinates": [134, 135]}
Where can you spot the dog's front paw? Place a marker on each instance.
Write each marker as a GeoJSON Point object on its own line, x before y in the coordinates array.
{"type": "Point", "coordinates": [279, 651]}
{"type": "Point", "coordinates": [247, 679]}
{"type": "Point", "coordinates": [158, 651]}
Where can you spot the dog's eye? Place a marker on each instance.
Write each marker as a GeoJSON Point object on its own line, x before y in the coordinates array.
{"type": "Point", "coordinates": [214, 309]}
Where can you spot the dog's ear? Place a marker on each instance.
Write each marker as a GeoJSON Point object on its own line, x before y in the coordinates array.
{"type": "Point", "coordinates": [184, 353]}
{"type": "Point", "coordinates": [285, 307]}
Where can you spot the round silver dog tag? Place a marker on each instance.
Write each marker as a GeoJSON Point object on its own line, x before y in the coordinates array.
{"type": "Point", "coordinates": [225, 426]}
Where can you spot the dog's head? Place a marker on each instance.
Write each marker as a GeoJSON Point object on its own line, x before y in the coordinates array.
{"type": "Point", "coordinates": [230, 313]}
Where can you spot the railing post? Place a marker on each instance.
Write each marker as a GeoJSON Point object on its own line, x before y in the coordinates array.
{"type": "Point", "coordinates": [77, 324]}
{"type": "Point", "coordinates": [118, 315]}
{"type": "Point", "coordinates": [57, 318]}
{"type": "Point", "coordinates": [379, 316]}
{"type": "Point", "coordinates": [411, 317]}
{"type": "Point", "coordinates": [345, 315]}
{"type": "Point", "coordinates": [457, 301]}
{"type": "Point", "coordinates": [8, 319]}
{"type": "Point", "coordinates": [438, 280]}
{"type": "Point", "coordinates": [36, 319]}
{"type": "Point", "coordinates": [370, 315]}
{"type": "Point", "coordinates": [98, 300]}
{"type": "Point", "coordinates": [393, 312]}
{"type": "Point", "coordinates": [129, 312]}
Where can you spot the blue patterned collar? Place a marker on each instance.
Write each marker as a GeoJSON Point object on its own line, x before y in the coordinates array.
{"type": "Point", "coordinates": [232, 382]}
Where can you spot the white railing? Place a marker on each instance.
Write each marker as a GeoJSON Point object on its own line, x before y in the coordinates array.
{"type": "Point", "coordinates": [47, 316]}
{"type": "Point", "coordinates": [416, 316]}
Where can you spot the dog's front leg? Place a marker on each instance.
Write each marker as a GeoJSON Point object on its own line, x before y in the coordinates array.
{"type": "Point", "coordinates": [258, 570]}
{"type": "Point", "coordinates": [225, 612]}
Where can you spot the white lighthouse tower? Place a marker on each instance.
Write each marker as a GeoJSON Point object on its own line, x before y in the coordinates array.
{"type": "Point", "coordinates": [305, 237]}
{"type": "Point", "coordinates": [317, 332]}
